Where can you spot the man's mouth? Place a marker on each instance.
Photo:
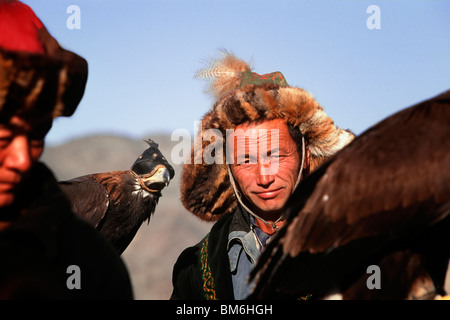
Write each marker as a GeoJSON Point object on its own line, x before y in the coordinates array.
{"type": "Point", "coordinates": [9, 184]}
{"type": "Point", "coordinates": [269, 194]}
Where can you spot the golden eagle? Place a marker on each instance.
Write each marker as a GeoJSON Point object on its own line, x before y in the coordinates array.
{"type": "Point", "coordinates": [116, 203]}
{"type": "Point", "coordinates": [382, 204]}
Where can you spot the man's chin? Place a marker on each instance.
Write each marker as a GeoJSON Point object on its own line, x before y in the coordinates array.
{"type": "Point", "coordinates": [268, 208]}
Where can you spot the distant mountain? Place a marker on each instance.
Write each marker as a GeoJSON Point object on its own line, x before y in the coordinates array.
{"type": "Point", "coordinates": [98, 154]}
{"type": "Point", "coordinates": [153, 252]}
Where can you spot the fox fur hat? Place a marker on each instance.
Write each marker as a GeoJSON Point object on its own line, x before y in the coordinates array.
{"type": "Point", "coordinates": [38, 77]}
{"type": "Point", "coordinates": [244, 96]}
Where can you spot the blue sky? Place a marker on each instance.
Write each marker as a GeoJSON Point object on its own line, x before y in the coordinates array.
{"type": "Point", "coordinates": [143, 54]}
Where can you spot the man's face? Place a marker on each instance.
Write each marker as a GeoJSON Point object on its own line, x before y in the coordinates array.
{"type": "Point", "coordinates": [20, 146]}
{"type": "Point", "coordinates": [266, 171]}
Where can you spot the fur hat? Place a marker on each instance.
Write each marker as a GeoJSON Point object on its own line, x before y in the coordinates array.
{"type": "Point", "coordinates": [37, 77]}
{"type": "Point", "coordinates": [242, 96]}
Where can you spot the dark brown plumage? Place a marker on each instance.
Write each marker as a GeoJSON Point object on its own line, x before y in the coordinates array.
{"type": "Point", "coordinates": [118, 202]}
{"type": "Point", "coordinates": [383, 200]}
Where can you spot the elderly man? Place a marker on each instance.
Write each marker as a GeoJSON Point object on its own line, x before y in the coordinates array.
{"type": "Point", "coordinates": [45, 251]}
{"type": "Point", "coordinates": [273, 135]}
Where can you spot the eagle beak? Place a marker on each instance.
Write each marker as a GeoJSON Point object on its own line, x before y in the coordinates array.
{"type": "Point", "coordinates": [158, 180]}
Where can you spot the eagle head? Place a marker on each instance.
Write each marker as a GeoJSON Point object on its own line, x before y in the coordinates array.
{"type": "Point", "coordinates": [152, 169]}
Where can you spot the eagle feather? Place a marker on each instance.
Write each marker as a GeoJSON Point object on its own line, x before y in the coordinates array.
{"type": "Point", "coordinates": [225, 74]}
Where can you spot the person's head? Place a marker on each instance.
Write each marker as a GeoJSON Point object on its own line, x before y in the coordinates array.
{"type": "Point", "coordinates": [243, 99]}
{"type": "Point", "coordinates": [39, 81]}
{"type": "Point", "coordinates": [267, 162]}
{"type": "Point", "coordinates": [21, 144]}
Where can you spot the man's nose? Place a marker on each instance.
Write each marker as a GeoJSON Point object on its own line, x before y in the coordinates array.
{"type": "Point", "coordinates": [19, 156]}
{"type": "Point", "coordinates": [264, 176]}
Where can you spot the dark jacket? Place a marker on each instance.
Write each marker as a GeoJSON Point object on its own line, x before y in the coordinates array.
{"type": "Point", "coordinates": [202, 272]}
{"type": "Point", "coordinates": [38, 248]}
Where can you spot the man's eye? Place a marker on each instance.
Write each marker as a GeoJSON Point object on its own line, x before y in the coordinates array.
{"type": "Point", "coordinates": [5, 141]}
{"type": "Point", "coordinates": [246, 160]}
{"type": "Point", "coordinates": [241, 160]}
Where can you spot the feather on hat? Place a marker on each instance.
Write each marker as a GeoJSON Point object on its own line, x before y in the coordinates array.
{"type": "Point", "coordinates": [244, 96]}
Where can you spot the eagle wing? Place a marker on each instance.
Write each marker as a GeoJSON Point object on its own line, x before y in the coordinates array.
{"type": "Point", "coordinates": [391, 181]}
{"type": "Point", "coordinates": [88, 197]}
